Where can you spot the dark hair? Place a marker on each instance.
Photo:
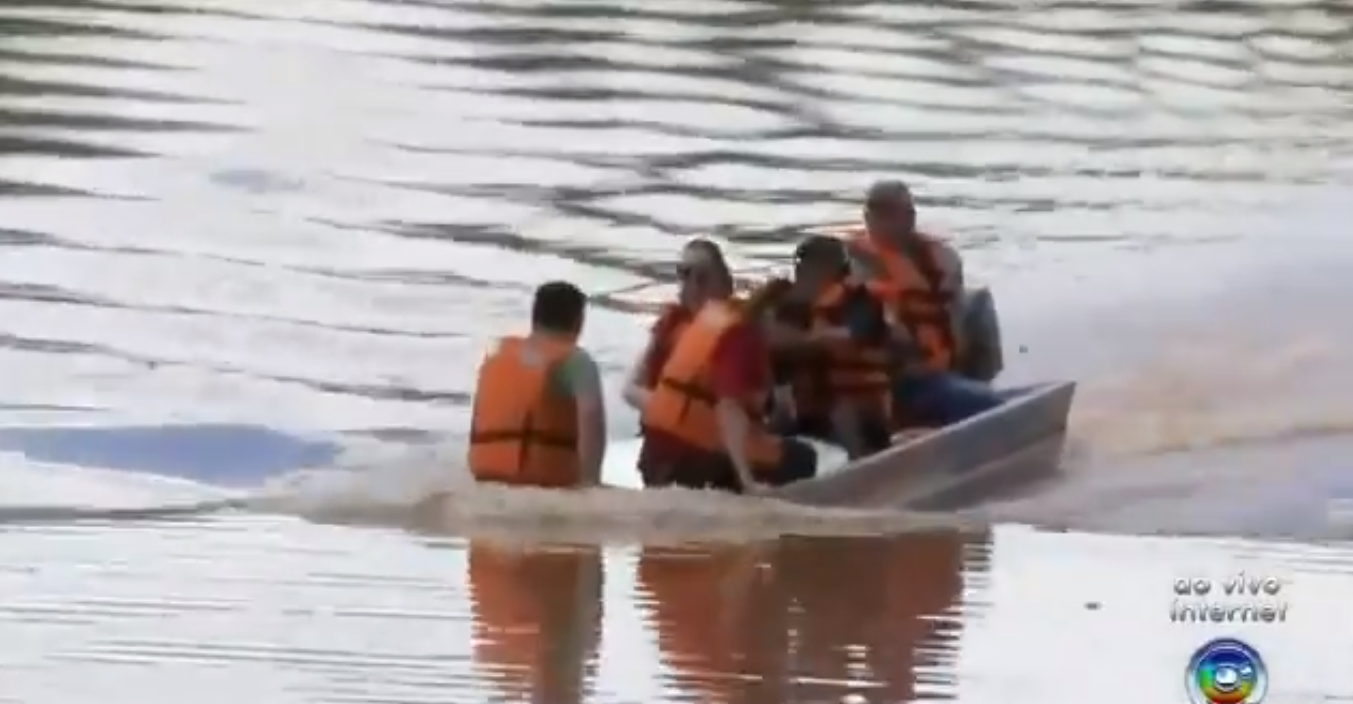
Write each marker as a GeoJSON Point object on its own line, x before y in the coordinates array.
{"type": "Point", "coordinates": [716, 264]}
{"type": "Point", "coordinates": [826, 252]}
{"type": "Point", "coordinates": [558, 307]}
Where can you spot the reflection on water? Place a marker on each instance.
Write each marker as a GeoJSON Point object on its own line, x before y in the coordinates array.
{"type": "Point", "coordinates": [306, 219]}
{"type": "Point", "coordinates": [274, 610]}
{"type": "Point", "coordinates": [720, 621]}
{"type": "Point", "coordinates": [797, 620]}
{"type": "Point", "coordinates": [810, 619]}
{"type": "Point", "coordinates": [883, 610]}
{"type": "Point", "coordinates": [537, 612]}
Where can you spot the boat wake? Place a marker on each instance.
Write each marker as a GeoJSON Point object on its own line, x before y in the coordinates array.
{"type": "Point", "coordinates": [365, 482]}
{"type": "Point", "coordinates": [1206, 440]}
{"type": "Point", "coordinates": [1207, 397]}
{"type": "Point", "coordinates": [1223, 487]}
{"type": "Point", "coordinates": [428, 489]}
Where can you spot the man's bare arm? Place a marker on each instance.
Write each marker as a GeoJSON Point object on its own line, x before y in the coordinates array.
{"type": "Point", "coordinates": [585, 382]}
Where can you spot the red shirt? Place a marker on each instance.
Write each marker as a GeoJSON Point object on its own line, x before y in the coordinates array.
{"type": "Point", "coordinates": [740, 367]}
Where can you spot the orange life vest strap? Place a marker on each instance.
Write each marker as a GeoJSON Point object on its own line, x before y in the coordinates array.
{"type": "Point", "coordinates": [693, 393]}
{"type": "Point", "coordinates": [926, 306]}
{"type": "Point", "coordinates": [527, 438]}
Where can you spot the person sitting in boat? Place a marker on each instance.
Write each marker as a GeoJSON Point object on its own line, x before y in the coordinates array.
{"type": "Point", "coordinates": [539, 417]}
{"type": "Point", "coordinates": [837, 336]}
{"type": "Point", "coordinates": [921, 280]}
{"type": "Point", "coordinates": [703, 420]}
{"type": "Point", "coordinates": [694, 276]}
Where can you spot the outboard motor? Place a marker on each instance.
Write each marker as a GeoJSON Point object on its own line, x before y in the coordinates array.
{"type": "Point", "coordinates": [980, 354]}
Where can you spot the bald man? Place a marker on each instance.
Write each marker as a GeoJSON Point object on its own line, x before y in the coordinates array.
{"type": "Point", "coordinates": [918, 267]}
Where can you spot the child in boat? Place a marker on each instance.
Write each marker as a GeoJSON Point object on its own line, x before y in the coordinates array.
{"type": "Point", "coordinates": [832, 339]}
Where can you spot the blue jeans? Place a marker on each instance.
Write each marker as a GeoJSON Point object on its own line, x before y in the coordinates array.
{"type": "Point", "coordinates": [942, 399]}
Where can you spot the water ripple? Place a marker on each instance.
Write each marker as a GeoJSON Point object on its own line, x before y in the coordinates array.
{"type": "Point", "coordinates": [584, 137]}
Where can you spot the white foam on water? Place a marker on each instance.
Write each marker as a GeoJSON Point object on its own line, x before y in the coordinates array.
{"type": "Point", "coordinates": [428, 488]}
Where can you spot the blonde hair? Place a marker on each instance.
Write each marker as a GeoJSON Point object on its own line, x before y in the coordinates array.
{"type": "Point", "coordinates": [766, 297]}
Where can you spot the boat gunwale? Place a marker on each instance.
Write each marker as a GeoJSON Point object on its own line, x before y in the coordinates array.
{"type": "Point", "coordinates": [1056, 395]}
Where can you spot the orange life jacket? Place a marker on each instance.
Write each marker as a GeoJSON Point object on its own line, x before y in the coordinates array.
{"type": "Point", "coordinates": [523, 433]}
{"type": "Point", "coordinates": [852, 371]}
{"type": "Point", "coordinates": [683, 402]}
{"type": "Point", "coordinates": [673, 320]}
{"type": "Point", "coordinates": [912, 289]}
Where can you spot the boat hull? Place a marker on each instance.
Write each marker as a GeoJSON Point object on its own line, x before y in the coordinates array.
{"type": "Point", "coordinates": [996, 451]}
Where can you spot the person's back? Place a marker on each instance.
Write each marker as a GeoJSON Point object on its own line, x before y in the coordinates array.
{"type": "Point", "coordinates": [538, 417]}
